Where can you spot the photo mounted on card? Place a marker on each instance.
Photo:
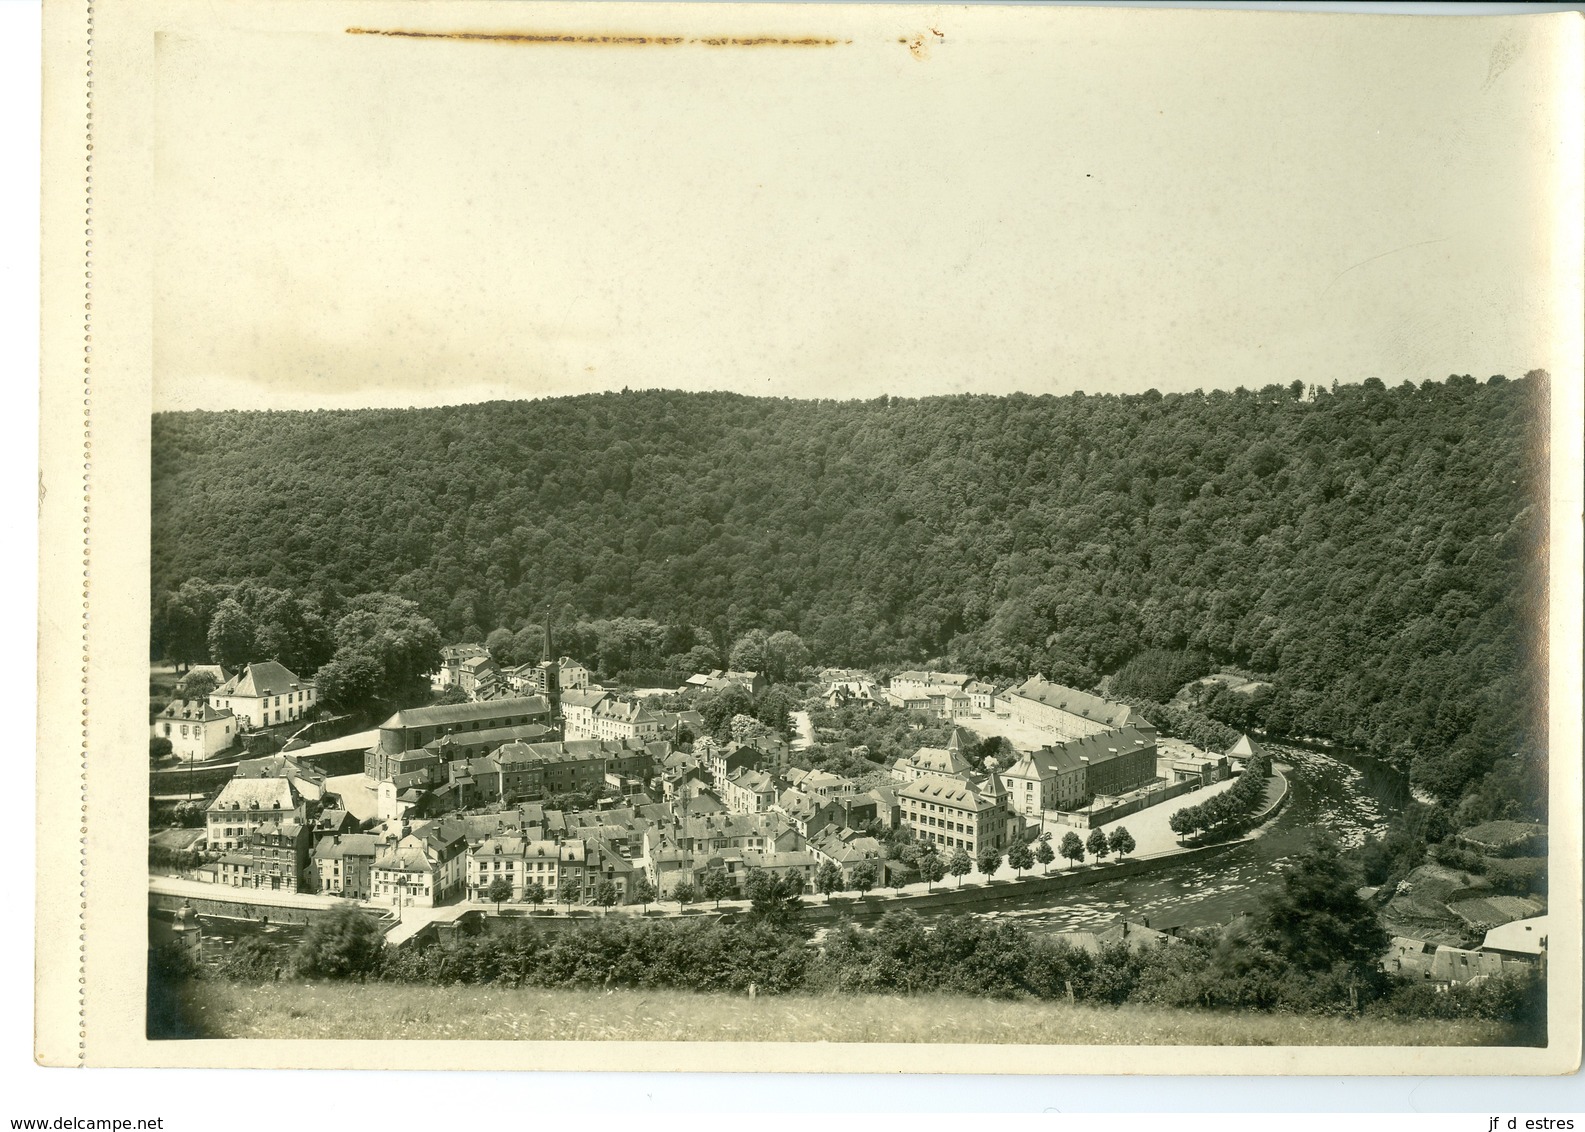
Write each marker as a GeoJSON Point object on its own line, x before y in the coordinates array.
{"type": "Point", "coordinates": [847, 534]}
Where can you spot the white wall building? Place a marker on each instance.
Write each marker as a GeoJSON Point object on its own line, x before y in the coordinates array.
{"type": "Point", "coordinates": [265, 694]}
{"type": "Point", "coordinates": [195, 729]}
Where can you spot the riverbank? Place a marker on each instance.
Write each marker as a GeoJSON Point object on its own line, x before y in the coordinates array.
{"type": "Point", "coordinates": [350, 1011]}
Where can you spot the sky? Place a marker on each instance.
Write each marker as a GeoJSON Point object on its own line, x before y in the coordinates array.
{"type": "Point", "coordinates": [938, 201]}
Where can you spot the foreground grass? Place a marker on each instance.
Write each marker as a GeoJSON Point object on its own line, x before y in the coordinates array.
{"type": "Point", "coordinates": [213, 1009]}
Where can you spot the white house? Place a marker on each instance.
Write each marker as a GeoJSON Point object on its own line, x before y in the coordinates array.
{"type": "Point", "coordinates": [195, 729]}
{"type": "Point", "coordinates": [265, 694]}
{"type": "Point", "coordinates": [245, 804]}
{"type": "Point", "coordinates": [577, 711]}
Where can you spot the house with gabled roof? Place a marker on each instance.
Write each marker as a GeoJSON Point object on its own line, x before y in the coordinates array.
{"type": "Point", "coordinates": [949, 760]}
{"type": "Point", "coordinates": [748, 791]}
{"type": "Point", "coordinates": [245, 804]}
{"type": "Point", "coordinates": [341, 864]}
{"type": "Point", "coordinates": [265, 694]}
{"type": "Point", "coordinates": [623, 718]}
{"type": "Point", "coordinates": [453, 657]}
{"type": "Point", "coordinates": [426, 867]}
{"type": "Point", "coordinates": [847, 853]}
{"type": "Point", "coordinates": [195, 728]}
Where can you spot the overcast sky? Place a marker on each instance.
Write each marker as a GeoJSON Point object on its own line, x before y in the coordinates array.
{"type": "Point", "coordinates": [1034, 199]}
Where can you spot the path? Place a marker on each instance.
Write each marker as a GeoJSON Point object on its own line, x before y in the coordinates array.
{"type": "Point", "coordinates": [358, 741]}
{"type": "Point", "coordinates": [416, 919]}
{"type": "Point", "coordinates": [805, 728]}
{"type": "Point", "coordinates": [1148, 827]}
{"type": "Point", "coordinates": [262, 897]}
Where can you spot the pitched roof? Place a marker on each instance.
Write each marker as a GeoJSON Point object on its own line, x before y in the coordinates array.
{"type": "Point", "coordinates": [624, 710]}
{"type": "Point", "coordinates": [1245, 748]}
{"type": "Point", "coordinates": [934, 760]}
{"type": "Point", "coordinates": [408, 857]}
{"type": "Point", "coordinates": [582, 697]}
{"type": "Point", "coordinates": [1071, 700]}
{"type": "Point", "coordinates": [1106, 745]}
{"type": "Point", "coordinates": [490, 736]}
{"type": "Point", "coordinates": [949, 791]}
{"type": "Point", "coordinates": [934, 679]}
{"type": "Point", "coordinates": [266, 678]}
{"type": "Point", "coordinates": [269, 793]}
{"type": "Point", "coordinates": [196, 710]}
{"type": "Point", "coordinates": [347, 845]}
{"type": "Point", "coordinates": [441, 714]}
{"type": "Point", "coordinates": [1523, 937]}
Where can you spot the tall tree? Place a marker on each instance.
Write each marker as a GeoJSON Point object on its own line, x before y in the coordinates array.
{"type": "Point", "coordinates": [1044, 853]}
{"type": "Point", "coordinates": [716, 886]}
{"type": "Point", "coordinates": [196, 686]}
{"type": "Point", "coordinates": [1072, 848]}
{"type": "Point", "coordinates": [1097, 844]}
{"type": "Point", "coordinates": [232, 633]}
{"type": "Point", "coordinates": [827, 879]}
{"type": "Point", "coordinates": [1121, 841]}
{"type": "Point", "coordinates": [751, 652]}
{"type": "Point", "coordinates": [1020, 857]}
{"type": "Point", "coordinates": [643, 893]}
{"type": "Point", "coordinates": [1317, 918]}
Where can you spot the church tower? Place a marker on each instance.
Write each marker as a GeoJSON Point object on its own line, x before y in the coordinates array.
{"type": "Point", "coordinates": [550, 673]}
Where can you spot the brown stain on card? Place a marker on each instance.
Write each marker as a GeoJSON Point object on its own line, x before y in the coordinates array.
{"type": "Point", "coordinates": [919, 44]}
{"type": "Point", "coordinates": [612, 39]}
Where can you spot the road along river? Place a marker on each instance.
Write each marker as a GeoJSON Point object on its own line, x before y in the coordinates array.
{"type": "Point", "coordinates": [1346, 793]}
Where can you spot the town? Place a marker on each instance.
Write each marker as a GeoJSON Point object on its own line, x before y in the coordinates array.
{"type": "Point", "coordinates": [530, 789]}
{"type": "Point", "coordinates": [535, 785]}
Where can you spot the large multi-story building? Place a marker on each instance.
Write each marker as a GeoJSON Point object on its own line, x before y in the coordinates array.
{"type": "Point", "coordinates": [265, 694]}
{"type": "Point", "coordinates": [412, 728]}
{"type": "Point", "coordinates": [623, 718]}
{"type": "Point", "coordinates": [1065, 776]}
{"type": "Point", "coordinates": [1068, 713]}
{"type": "Point", "coordinates": [957, 814]}
{"type": "Point", "coordinates": [245, 804]}
{"type": "Point", "coordinates": [577, 711]}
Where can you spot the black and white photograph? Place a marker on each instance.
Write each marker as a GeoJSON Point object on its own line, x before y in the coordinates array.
{"type": "Point", "coordinates": [852, 527]}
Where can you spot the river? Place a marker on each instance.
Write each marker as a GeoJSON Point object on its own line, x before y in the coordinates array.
{"type": "Point", "coordinates": [1341, 791]}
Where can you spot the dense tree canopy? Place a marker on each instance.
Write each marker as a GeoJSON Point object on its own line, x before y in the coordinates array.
{"type": "Point", "coordinates": [1372, 550]}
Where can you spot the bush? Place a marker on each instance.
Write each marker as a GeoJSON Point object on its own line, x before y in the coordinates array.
{"type": "Point", "coordinates": [341, 944]}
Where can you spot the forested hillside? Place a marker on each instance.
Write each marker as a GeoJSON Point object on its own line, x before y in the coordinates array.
{"type": "Point", "coordinates": [1373, 550]}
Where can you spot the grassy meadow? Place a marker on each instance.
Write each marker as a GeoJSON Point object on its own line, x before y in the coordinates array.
{"type": "Point", "coordinates": [215, 1009]}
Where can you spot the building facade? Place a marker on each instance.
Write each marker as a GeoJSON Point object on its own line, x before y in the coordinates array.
{"type": "Point", "coordinates": [1066, 712]}
{"type": "Point", "coordinates": [195, 729]}
{"type": "Point", "coordinates": [265, 694]}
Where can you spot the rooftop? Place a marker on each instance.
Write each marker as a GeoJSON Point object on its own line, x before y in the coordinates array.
{"type": "Point", "coordinates": [442, 714]}
{"type": "Point", "coordinates": [266, 678]}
